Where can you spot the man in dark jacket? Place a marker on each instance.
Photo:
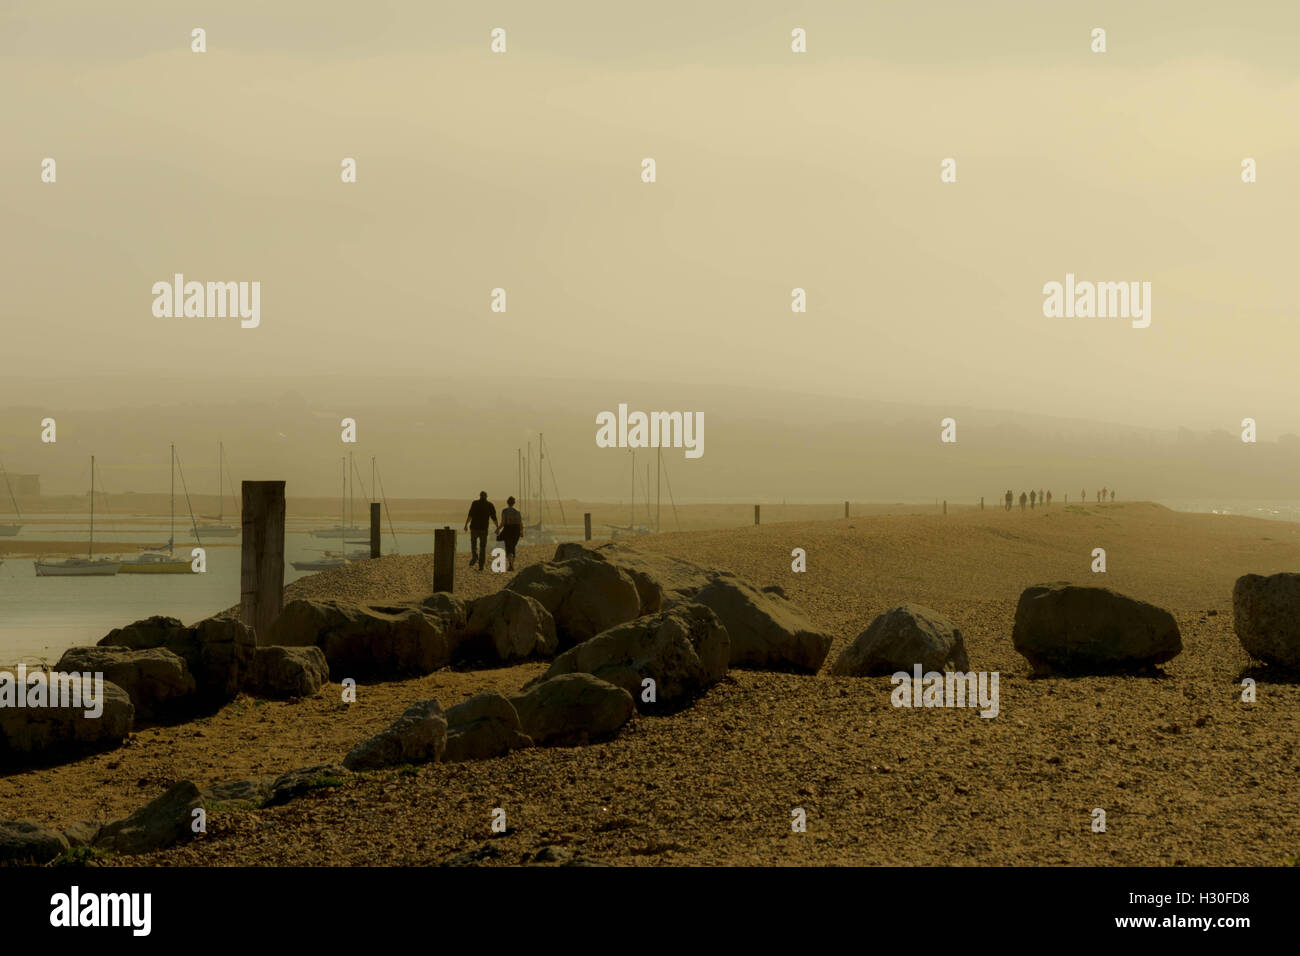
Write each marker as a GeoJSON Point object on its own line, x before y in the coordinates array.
{"type": "Point", "coordinates": [476, 523]}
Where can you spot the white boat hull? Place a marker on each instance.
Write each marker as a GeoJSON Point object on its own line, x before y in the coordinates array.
{"type": "Point", "coordinates": [77, 568]}
{"type": "Point", "coordinates": [9, 530]}
{"type": "Point", "coordinates": [215, 531]}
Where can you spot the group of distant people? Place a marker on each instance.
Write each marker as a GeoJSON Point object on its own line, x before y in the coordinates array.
{"type": "Point", "coordinates": [1044, 498]}
{"type": "Point", "coordinates": [509, 529]}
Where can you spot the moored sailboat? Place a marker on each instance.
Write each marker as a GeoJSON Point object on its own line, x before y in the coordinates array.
{"type": "Point", "coordinates": [89, 566]}
{"type": "Point", "coordinates": [157, 560]}
{"type": "Point", "coordinates": [219, 529]}
{"type": "Point", "coordinates": [9, 530]}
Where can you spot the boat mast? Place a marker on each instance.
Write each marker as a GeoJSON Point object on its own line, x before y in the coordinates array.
{"type": "Point", "coordinates": [90, 554]}
{"type": "Point", "coordinates": [17, 510]}
{"type": "Point", "coordinates": [659, 481]}
{"type": "Point", "coordinates": [171, 535]}
{"type": "Point", "coordinates": [351, 512]}
{"type": "Point", "coordinates": [343, 509]}
{"type": "Point", "coordinates": [221, 462]}
{"type": "Point", "coordinates": [631, 524]}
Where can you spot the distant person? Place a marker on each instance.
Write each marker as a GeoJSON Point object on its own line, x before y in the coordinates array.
{"type": "Point", "coordinates": [1103, 494]}
{"type": "Point", "coordinates": [1023, 499]}
{"type": "Point", "coordinates": [1032, 495]}
{"type": "Point", "coordinates": [512, 529]}
{"type": "Point", "coordinates": [1112, 496]}
{"type": "Point", "coordinates": [1099, 497]}
{"type": "Point", "coordinates": [1042, 497]}
{"type": "Point", "coordinates": [1010, 499]}
{"type": "Point", "coordinates": [476, 523]}
{"type": "Point", "coordinates": [1049, 496]}
{"type": "Point", "coordinates": [1083, 495]}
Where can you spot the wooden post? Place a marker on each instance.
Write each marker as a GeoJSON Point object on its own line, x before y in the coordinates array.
{"type": "Point", "coordinates": [755, 514]}
{"type": "Point", "coordinates": [374, 529]}
{"type": "Point", "coordinates": [261, 574]}
{"type": "Point", "coordinates": [586, 525]}
{"type": "Point", "coordinates": [444, 558]}
{"type": "Point", "coordinates": [945, 505]}
{"type": "Point", "coordinates": [981, 502]}
{"type": "Point", "coordinates": [846, 509]}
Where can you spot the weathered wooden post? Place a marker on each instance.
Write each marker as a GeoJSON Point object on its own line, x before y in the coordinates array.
{"type": "Point", "coordinates": [374, 529]}
{"type": "Point", "coordinates": [846, 509]}
{"type": "Point", "coordinates": [586, 525]}
{"type": "Point", "coordinates": [755, 514]}
{"type": "Point", "coordinates": [261, 572]}
{"type": "Point", "coordinates": [981, 502]}
{"type": "Point", "coordinates": [444, 558]}
{"type": "Point", "coordinates": [945, 505]}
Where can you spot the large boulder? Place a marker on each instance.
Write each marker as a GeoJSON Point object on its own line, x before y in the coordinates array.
{"type": "Point", "coordinates": [481, 727]}
{"type": "Point", "coordinates": [684, 651]}
{"type": "Point", "coordinates": [1266, 616]}
{"type": "Point", "coordinates": [218, 651]}
{"type": "Point", "coordinates": [767, 632]}
{"type": "Point", "coordinates": [418, 736]}
{"type": "Point", "coordinates": [283, 672]}
{"type": "Point", "coordinates": [23, 842]}
{"type": "Point", "coordinates": [506, 627]}
{"type": "Point", "coordinates": [662, 581]}
{"type": "Point", "coordinates": [160, 823]}
{"type": "Point", "coordinates": [901, 638]}
{"type": "Point", "coordinates": [302, 780]}
{"type": "Point", "coordinates": [584, 595]}
{"type": "Point", "coordinates": [1088, 630]}
{"type": "Point", "coordinates": [158, 681]}
{"type": "Point", "coordinates": [366, 641]}
{"type": "Point", "coordinates": [572, 709]}
{"type": "Point", "coordinates": [45, 734]}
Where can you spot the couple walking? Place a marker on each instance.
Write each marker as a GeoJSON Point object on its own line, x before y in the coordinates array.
{"type": "Point", "coordinates": [509, 529]}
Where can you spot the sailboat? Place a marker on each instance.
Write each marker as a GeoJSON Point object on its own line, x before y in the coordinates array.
{"type": "Point", "coordinates": [80, 567]}
{"type": "Point", "coordinates": [9, 530]}
{"type": "Point", "coordinates": [537, 533]}
{"type": "Point", "coordinates": [331, 559]}
{"type": "Point", "coordinates": [632, 527]}
{"type": "Point", "coordinates": [156, 560]}
{"type": "Point", "coordinates": [341, 530]}
{"type": "Point", "coordinates": [218, 530]}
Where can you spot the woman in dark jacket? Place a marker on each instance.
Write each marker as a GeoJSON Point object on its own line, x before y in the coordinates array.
{"type": "Point", "coordinates": [512, 529]}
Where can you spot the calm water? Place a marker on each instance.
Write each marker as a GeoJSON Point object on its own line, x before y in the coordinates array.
{"type": "Point", "coordinates": [40, 618]}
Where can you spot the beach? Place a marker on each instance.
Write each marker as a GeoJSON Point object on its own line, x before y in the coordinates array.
{"type": "Point", "coordinates": [1187, 773]}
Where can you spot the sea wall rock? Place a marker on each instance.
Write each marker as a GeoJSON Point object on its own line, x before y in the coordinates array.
{"type": "Point", "coordinates": [572, 709]}
{"type": "Point", "coordinates": [1068, 629]}
{"type": "Point", "coordinates": [218, 651]}
{"type": "Point", "coordinates": [366, 641]}
{"type": "Point", "coordinates": [767, 631]}
{"type": "Point", "coordinates": [157, 680]}
{"type": "Point", "coordinates": [25, 842]}
{"type": "Point", "coordinates": [901, 638]}
{"type": "Point", "coordinates": [506, 627]}
{"type": "Point", "coordinates": [1266, 617]}
{"type": "Point", "coordinates": [585, 596]}
{"type": "Point", "coordinates": [159, 824]}
{"type": "Point", "coordinates": [284, 672]}
{"type": "Point", "coordinates": [482, 727]}
{"type": "Point", "coordinates": [51, 734]}
{"type": "Point", "coordinates": [418, 736]}
{"type": "Point", "coordinates": [684, 651]}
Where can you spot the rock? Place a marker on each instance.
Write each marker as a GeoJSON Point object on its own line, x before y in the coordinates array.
{"type": "Point", "coordinates": [1266, 617]}
{"type": "Point", "coordinates": [159, 824]}
{"type": "Point", "coordinates": [366, 641]}
{"type": "Point", "coordinates": [449, 608]}
{"type": "Point", "coordinates": [23, 842]}
{"type": "Point", "coordinates": [506, 627]}
{"type": "Point", "coordinates": [158, 681]}
{"type": "Point", "coordinates": [685, 651]}
{"type": "Point", "coordinates": [479, 854]}
{"type": "Point", "coordinates": [584, 595]}
{"type": "Point", "coordinates": [293, 784]}
{"type": "Point", "coordinates": [45, 734]}
{"type": "Point", "coordinates": [83, 832]}
{"type": "Point", "coordinates": [560, 856]}
{"type": "Point", "coordinates": [572, 709]}
{"type": "Point", "coordinates": [1089, 630]}
{"type": "Point", "coordinates": [482, 727]}
{"type": "Point", "coordinates": [288, 672]}
{"type": "Point", "coordinates": [218, 651]}
{"type": "Point", "coordinates": [418, 736]}
{"type": "Point", "coordinates": [767, 632]}
{"type": "Point", "coordinates": [252, 791]}
{"type": "Point", "coordinates": [901, 638]}
{"type": "Point", "coordinates": [661, 581]}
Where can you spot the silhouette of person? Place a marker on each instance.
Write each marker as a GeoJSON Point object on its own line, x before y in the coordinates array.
{"type": "Point", "coordinates": [1083, 495]}
{"type": "Point", "coordinates": [1049, 496]}
{"type": "Point", "coordinates": [1010, 499]}
{"type": "Point", "coordinates": [1022, 501]}
{"type": "Point", "coordinates": [1032, 496]}
{"type": "Point", "coordinates": [1112, 495]}
{"type": "Point", "coordinates": [1042, 497]}
{"type": "Point", "coordinates": [476, 523]}
{"type": "Point", "coordinates": [512, 529]}
{"type": "Point", "coordinates": [1103, 494]}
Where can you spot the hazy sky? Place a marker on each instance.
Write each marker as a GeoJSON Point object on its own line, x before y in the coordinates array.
{"type": "Point", "coordinates": [775, 170]}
